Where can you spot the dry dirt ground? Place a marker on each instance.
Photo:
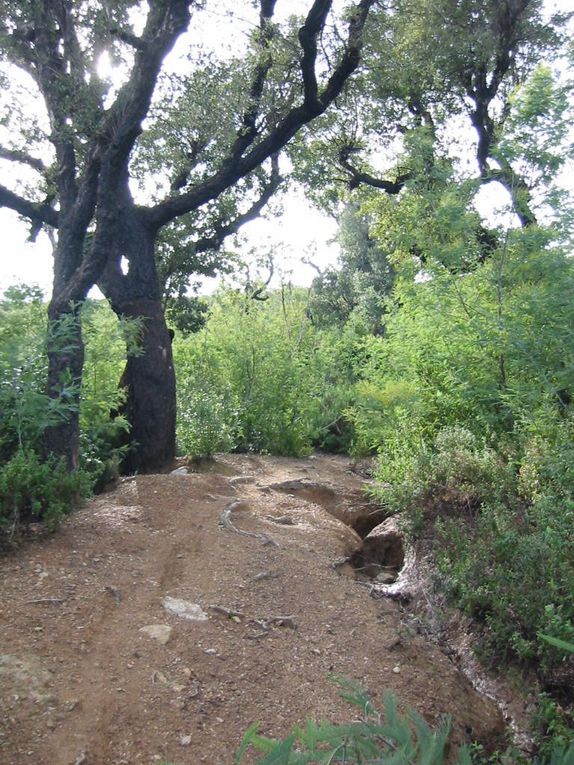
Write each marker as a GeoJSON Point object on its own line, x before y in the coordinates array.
{"type": "Point", "coordinates": [82, 684]}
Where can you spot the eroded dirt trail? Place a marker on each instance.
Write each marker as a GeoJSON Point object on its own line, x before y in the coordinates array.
{"type": "Point", "coordinates": [81, 684]}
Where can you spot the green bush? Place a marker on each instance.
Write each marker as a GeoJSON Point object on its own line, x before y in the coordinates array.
{"type": "Point", "coordinates": [25, 409]}
{"type": "Point", "coordinates": [503, 538]}
{"type": "Point", "coordinates": [33, 490]}
{"type": "Point", "coordinates": [259, 377]}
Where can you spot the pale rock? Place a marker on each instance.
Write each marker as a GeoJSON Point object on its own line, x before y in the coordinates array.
{"type": "Point", "coordinates": [241, 479]}
{"type": "Point", "coordinates": [183, 608]}
{"type": "Point", "coordinates": [159, 632]}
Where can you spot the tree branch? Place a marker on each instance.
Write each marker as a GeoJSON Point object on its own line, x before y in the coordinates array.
{"type": "Point", "coordinates": [106, 164]}
{"type": "Point", "coordinates": [352, 55]}
{"type": "Point", "coordinates": [248, 131]}
{"type": "Point", "coordinates": [358, 177]}
{"type": "Point", "coordinates": [213, 242]}
{"type": "Point", "coordinates": [516, 187]}
{"type": "Point", "coordinates": [14, 155]}
{"type": "Point", "coordinates": [128, 38]}
{"type": "Point", "coordinates": [234, 167]}
{"type": "Point", "coordinates": [37, 212]}
{"type": "Point", "coordinates": [308, 34]}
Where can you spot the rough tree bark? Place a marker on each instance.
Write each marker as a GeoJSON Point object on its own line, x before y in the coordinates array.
{"type": "Point", "coordinates": [149, 376]}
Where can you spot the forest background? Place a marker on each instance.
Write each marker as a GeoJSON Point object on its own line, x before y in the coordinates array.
{"type": "Point", "coordinates": [441, 342]}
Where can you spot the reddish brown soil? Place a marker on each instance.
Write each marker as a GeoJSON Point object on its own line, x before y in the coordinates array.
{"type": "Point", "coordinates": [81, 684]}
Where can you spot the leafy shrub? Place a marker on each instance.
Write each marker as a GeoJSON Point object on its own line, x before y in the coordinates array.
{"type": "Point", "coordinates": [103, 429]}
{"type": "Point", "coordinates": [376, 739]}
{"type": "Point", "coordinates": [25, 409]}
{"type": "Point", "coordinates": [259, 377]}
{"type": "Point", "coordinates": [502, 538]}
{"type": "Point", "coordinates": [455, 474]}
{"type": "Point", "coordinates": [207, 423]}
{"type": "Point", "coordinates": [33, 490]}
{"type": "Point", "coordinates": [390, 738]}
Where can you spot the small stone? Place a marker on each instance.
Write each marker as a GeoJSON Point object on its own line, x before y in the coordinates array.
{"type": "Point", "coordinates": [185, 740]}
{"type": "Point", "coordinates": [180, 471]}
{"type": "Point", "coordinates": [397, 670]}
{"type": "Point", "coordinates": [210, 651]}
{"type": "Point", "coordinates": [159, 632]}
{"type": "Point", "coordinates": [191, 611]}
{"type": "Point", "coordinates": [240, 479]}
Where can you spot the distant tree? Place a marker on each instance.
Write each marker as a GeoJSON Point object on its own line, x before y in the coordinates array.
{"type": "Point", "coordinates": [362, 280]}
{"type": "Point", "coordinates": [449, 71]}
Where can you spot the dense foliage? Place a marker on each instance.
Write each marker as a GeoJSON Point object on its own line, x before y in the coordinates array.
{"type": "Point", "coordinates": [260, 377]}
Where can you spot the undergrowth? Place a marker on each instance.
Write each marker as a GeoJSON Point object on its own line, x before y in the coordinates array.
{"type": "Point", "coordinates": [381, 738]}
{"type": "Point", "coordinates": [34, 490]}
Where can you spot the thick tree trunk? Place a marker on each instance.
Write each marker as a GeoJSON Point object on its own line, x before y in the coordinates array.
{"type": "Point", "coordinates": [65, 366]}
{"type": "Point", "coordinates": [149, 376]}
{"type": "Point", "coordinates": [150, 382]}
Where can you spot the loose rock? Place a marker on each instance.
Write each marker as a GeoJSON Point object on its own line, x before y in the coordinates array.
{"type": "Point", "coordinates": [159, 632]}
{"type": "Point", "coordinates": [183, 608]}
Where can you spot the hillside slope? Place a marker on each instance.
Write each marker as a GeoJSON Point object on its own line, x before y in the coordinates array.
{"type": "Point", "coordinates": [82, 684]}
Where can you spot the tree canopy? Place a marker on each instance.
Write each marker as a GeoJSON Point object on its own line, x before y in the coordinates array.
{"type": "Point", "coordinates": [94, 128]}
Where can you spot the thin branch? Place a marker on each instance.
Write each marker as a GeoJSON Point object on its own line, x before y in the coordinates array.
{"type": "Point", "coordinates": [15, 155]}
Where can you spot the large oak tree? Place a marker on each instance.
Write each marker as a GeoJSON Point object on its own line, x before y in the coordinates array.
{"type": "Point", "coordinates": [288, 76]}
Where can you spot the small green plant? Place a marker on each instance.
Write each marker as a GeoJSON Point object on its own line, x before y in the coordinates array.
{"type": "Point", "coordinates": [33, 490]}
{"type": "Point", "coordinates": [390, 737]}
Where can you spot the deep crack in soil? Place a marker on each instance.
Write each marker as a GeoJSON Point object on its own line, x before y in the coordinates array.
{"type": "Point", "coordinates": [80, 682]}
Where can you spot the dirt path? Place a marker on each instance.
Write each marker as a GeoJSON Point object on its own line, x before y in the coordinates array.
{"type": "Point", "coordinates": [80, 683]}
